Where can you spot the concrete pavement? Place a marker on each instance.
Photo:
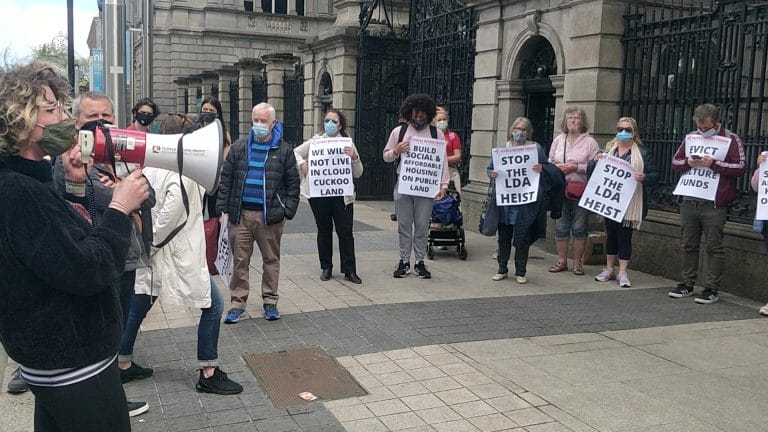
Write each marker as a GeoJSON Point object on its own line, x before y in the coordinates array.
{"type": "Point", "coordinates": [463, 353]}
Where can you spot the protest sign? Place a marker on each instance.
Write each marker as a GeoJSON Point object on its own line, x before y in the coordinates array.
{"type": "Point", "coordinates": [421, 167]}
{"type": "Point", "coordinates": [701, 182]}
{"type": "Point", "coordinates": [762, 192]}
{"type": "Point", "coordinates": [224, 257]}
{"type": "Point", "coordinates": [610, 188]}
{"type": "Point", "coordinates": [516, 181]}
{"type": "Point", "coordinates": [329, 169]}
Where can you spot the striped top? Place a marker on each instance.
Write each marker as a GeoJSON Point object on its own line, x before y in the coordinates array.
{"type": "Point", "coordinates": [253, 191]}
{"type": "Point", "coordinates": [64, 377]}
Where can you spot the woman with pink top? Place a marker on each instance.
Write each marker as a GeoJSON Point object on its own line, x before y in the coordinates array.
{"type": "Point", "coordinates": [571, 151]}
{"type": "Point", "coordinates": [755, 178]}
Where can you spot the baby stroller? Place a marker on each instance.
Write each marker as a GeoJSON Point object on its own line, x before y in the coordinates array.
{"type": "Point", "coordinates": [445, 228]}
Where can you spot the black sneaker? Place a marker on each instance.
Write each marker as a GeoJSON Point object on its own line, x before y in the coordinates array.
{"type": "Point", "coordinates": [402, 269]}
{"type": "Point", "coordinates": [706, 297]}
{"type": "Point", "coordinates": [17, 385]}
{"type": "Point", "coordinates": [682, 290]}
{"type": "Point", "coordinates": [137, 408]}
{"type": "Point", "coordinates": [135, 372]}
{"type": "Point", "coordinates": [421, 270]}
{"type": "Point", "coordinates": [218, 383]}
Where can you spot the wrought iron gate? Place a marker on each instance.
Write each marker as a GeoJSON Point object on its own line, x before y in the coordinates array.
{"type": "Point", "coordinates": [293, 102]}
{"type": "Point", "coordinates": [443, 61]}
{"type": "Point", "coordinates": [259, 88]}
{"type": "Point", "coordinates": [234, 110]}
{"type": "Point", "coordinates": [679, 55]}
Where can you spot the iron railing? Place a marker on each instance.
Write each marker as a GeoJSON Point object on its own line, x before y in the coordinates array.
{"type": "Point", "coordinates": [293, 102]}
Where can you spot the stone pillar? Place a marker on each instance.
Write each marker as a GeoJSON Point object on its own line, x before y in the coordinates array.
{"type": "Point", "coordinates": [247, 68]}
{"type": "Point", "coordinates": [511, 104]}
{"type": "Point", "coordinates": [291, 7]}
{"type": "Point", "coordinates": [230, 4]}
{"type": "Point", "coordinates": [182, 84]}
{"type": "Point", "coordinates": [277, 64]}
{"type": "Point", "coordinates": [210, 79]}
{"type": "Point", "coordinates": [195, 82]}
{"type": "Point", "coordinates": [226, 74]}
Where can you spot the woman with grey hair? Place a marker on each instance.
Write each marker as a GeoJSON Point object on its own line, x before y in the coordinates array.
{"type": "Point", "coordinates": [516, 221]}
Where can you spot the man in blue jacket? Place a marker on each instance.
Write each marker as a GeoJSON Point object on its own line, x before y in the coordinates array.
{"type": "Point", "coordinates": [259, 190]}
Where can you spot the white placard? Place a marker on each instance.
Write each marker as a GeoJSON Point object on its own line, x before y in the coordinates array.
{"type": "Point", "coordinates": [329, 170]}
{"type": "Point", "coordinates": [516, 181]}
{"type": "Point", "coordinates": [421, 167]}
{"type": "Point", "coordinates": [762, 192]}
{"type": "Point", "coordinates": [224, 258]}
{"type": "Point", "coordinates": [610, 188]}
{"type": "Point", "coordinates": [701, 182]}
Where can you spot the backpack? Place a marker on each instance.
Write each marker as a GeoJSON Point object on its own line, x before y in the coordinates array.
{"type": "Point", "coordinates": [404, 128]}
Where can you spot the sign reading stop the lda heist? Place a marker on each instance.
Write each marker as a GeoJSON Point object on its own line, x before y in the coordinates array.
{"type": "Point", "coordinates": [610, 188]}
{"type": "Point", "coordinates": [329, 169]}
{"type": "Point", "coordinates": [701, 182]}
{"type": "Point", "coordinates": [421, 167]}
{"type": "Point", "coordinates": [762, 192]}
{"type": "Point", "coordinates": [516, 181]}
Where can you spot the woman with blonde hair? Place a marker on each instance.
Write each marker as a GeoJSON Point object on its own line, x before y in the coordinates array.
{"type": "Point", "coordinates": [627, 146]}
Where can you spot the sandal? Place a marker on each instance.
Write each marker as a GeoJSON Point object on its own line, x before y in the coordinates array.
{"type": "Point", "coordinates": [578, 269]}
{"type": "Point", "coordinates": [560, 266]}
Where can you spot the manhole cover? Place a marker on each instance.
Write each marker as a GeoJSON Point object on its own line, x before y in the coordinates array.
{"type": "Point", "coordinates": [285, 374]}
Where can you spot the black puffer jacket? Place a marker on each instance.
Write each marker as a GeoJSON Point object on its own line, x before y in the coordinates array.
{"type": "Point", "coordinates": [281, 188]}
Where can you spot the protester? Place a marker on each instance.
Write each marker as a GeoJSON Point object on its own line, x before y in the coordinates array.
{"type": "Point", "coordinates": [755, 184]}
{"type": "Point", "coordinates": [330, 211]}
{"type": "Point", "coordinates": [210, 110]}
{"type": "Point", "coordinates": [414, 212]}
{"type": "Point", "coordinates": [144, 114]}
{"type": "Point", "coordinates": [517, 221]}
{"type": "Point", "coordinates": [627, 146]}
{"type": "Point", "coordinates": [570, 152]}
{"type": "Point", "coordinates": [452, 146]}
{"type": "Point", "coordinates": [59, 318]}
{"type": "Point", "coordinates": [259, 190]}
{"type": "Point", "coordinates": [704, 217]}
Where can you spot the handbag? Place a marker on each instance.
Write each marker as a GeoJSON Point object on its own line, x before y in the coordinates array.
{"type": "Point", "coordinates": [489, 217]}
{"type": "Point", "coordinates": [211, 228]}
{"type": "Point", "coordinates": [573, 188]}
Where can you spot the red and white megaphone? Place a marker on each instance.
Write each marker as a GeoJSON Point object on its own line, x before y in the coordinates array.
{"type": "Point", "coordinates": [197, 155]}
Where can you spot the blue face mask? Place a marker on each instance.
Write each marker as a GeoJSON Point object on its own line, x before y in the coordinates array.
{"type": "Point", "coordinates": [623, 135]}
{"type": "Point", "coordinates": [420, 122]}
{"type": "Point", "coordinates": [331, 128]}
{"type": "Point", "coordinates": [260, 131]}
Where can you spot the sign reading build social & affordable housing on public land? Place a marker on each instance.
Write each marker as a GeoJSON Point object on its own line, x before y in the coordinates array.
{"type": "Point", "coordinates": [701, 182]}
{"type": "Point", "coordinates": [610, 188]}
{"type": "Point", "coordinates": [421, 167]}
{"type": "Point", "coordinates": [762, 192]}
{"type": "Point", "coordinates": [516, 181]}
{"type": "Point", "coordinates": [329, 169]}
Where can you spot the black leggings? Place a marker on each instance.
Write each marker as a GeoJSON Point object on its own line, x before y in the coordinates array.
{"type": "Point", "coordinates": [96, 404]}
{"type": "Point", "coordinates": [619, 239]}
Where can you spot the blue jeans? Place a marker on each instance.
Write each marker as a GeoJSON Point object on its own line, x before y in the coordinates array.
{"type": "Point", "coordinates": [208, 330]}
{"type": "Point", "coordinates": [140, 304]}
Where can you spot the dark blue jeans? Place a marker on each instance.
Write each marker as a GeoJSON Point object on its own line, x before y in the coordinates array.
{"type": "Point", "coordinates": [140, 304]}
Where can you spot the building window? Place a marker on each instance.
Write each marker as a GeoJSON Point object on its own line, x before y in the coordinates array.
{"type": "Point", "coordinates": [248, 6]}
{"type": "Point", "coordinates": [266, 6]}
{"type": "Point", "coordinates": [281, 6]}
{"type": "Point", "coordinates": [300, 7]}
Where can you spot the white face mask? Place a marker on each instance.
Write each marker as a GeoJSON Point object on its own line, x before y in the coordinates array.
{"type": "Point", "coordinates": [442, 125]}
{"type": "Point", "coordinates": [709, 133]}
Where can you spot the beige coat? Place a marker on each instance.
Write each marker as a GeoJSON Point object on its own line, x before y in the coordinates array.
{"type": "Point", "coordinates": [302, 154]}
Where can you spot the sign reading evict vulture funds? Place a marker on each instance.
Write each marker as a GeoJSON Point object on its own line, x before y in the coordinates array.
{"type": "Point", "coordinates": [516, 181]}
{"type": "Point", "coordinates": [329, 169]}
{"type": "Point", "coordinates": [701, 182]}
{"type": "Point", "coordinates": [762, 192]}
{"type": "Point", "coordinates": [421, 167]}
{"type": "Point", "coordinates": [610, 188]}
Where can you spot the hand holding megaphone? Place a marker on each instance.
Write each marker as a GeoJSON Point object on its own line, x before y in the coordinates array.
{"type": "Point", "coordinates": [129, 193]}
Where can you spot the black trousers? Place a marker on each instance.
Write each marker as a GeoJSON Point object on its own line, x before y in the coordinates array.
{"type": "Point", "coordinates": [506, 234]}
{"type": "Point", "coordinates": [329, 212]}
{"type": "Point", "coordinates": [96, 404]}
{"type": "Point", "coordinates": [618, 239]}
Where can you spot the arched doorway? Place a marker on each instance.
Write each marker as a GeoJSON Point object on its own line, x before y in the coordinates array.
{"type": "Point", "coordinates": [537, 64]}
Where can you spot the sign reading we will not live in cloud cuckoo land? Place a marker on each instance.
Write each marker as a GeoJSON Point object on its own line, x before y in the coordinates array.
{"type": "Point", "coordinates": [329, 168]}
{"type": "Point", "coordinates": [421, 167]}
{"type": "Point", "coordinates": [701, 182]}
{"type": "Point", "coordinates": [516, 182]}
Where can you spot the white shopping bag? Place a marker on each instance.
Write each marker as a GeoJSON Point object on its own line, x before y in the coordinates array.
{"type": "Point", "coordinates": [223, 261]}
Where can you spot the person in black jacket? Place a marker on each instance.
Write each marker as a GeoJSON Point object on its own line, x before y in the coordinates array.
{"type": "Point", "coordinates": [59, 312]}
{"type": "Point", "coordinates": [258, 191]}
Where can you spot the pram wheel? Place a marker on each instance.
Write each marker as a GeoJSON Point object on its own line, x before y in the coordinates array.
{"type": "Point", "coordinates": [430, 252]}
{"type": "Point", "coordinates": [462, 252]}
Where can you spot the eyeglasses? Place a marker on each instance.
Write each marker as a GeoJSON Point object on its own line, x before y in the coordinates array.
{"type": "Point", "coordinates": [624, 129]}
{"type": "Point", "coordinates": [332, 121]}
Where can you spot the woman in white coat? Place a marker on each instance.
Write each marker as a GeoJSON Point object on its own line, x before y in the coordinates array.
{"type": "Point", "coordinates": [330, 211]}
{"type": "Point", "coordinates": [179, 269]}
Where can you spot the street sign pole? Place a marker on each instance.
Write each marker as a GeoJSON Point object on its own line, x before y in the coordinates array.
{"type": "Point", "coordinates": [114, 57]}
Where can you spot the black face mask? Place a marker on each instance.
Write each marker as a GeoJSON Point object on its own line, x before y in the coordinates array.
{"type": "Point", "coordinates": [94, 124]}
{"type": "Point", "coordinates": [144, 119]}
{"type": "Point", "coordinates": [206, 118]}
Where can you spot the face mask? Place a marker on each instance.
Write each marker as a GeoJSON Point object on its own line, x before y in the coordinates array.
{"type": "Point", "coordinates": [519, 136]}
{"type": "Point", "coordinates": [260, 131]}
{"type": "Point", "coordinates": [709, 133]}
{"type": "Point", "coordinates": [623, 135]}
{"type": "Point", "coordinates": [442, 125]}
{"type": "Point", "coordinates": [331, 128]}
{"type": "Point", "coordinates": [144, 119]}
{"type": "Point", "coordinates": [57, 137]}
{"type": "Point", "coordinates": [419, 123]}
{"type": "Point", "coordinates": [206, 118]}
